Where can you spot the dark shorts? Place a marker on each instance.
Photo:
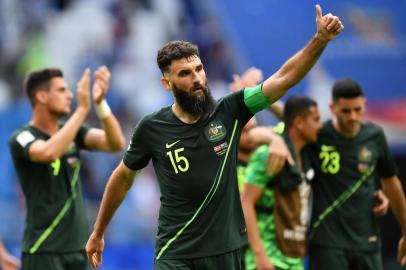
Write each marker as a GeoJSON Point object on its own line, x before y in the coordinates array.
{"type": "Point", "coordinates": [229, 261]}
{"type": "Point", "coordinates": [55, 261]}
{"type": "Point", "coordinates": [340, 259]}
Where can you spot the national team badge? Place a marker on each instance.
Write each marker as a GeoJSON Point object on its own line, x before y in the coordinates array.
{"type": "Point", "coordinates": [364, 155]}
{"type": "Point", "coordinates": [215, 131]}
{"type": "Point", "coordinates": [365, 158]}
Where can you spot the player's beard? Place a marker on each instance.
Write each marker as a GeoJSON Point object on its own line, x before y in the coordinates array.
{"type": "Point", "coordinates": [196, 105]}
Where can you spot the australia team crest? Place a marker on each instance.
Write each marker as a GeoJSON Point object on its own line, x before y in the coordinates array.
{"type": "Point", "coordinates": [364, 158]}
{"type": "Point", "coordinates": [215, 131]}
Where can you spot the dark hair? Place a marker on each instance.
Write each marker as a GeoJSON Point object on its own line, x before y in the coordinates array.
{"type": "Point", "coordinates": [175, 50]}
{"type": "Point", "coordinates": [296, 106]}
{"type": "Point", "coordinates": [346, 88]}
{"type": "Point", "coordinates": [39, 79]}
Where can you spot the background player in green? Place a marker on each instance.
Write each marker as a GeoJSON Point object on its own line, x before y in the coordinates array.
{"type": "Point", "coordinates": [267, 199]}
{"type": "Point", "coordinates": [349, 154]}
{"type": "Point", "coordinates": [246, 147]}
{"type": "Point", "coordinates": [7, 261]}
{"type": "Point", "coordinates": [46, 157]}
{"type": "Point", "coordinates": [193, 147]}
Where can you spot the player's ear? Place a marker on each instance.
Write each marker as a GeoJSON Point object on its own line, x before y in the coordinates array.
{"type": "Point", "coordinates": [166, 82]}
{"type": "Point", "coordinates": [332, 107]}
{"type": "Point", "coordinates": [299, 122]}
{"type": "Point", "coordinates": [41, 97]}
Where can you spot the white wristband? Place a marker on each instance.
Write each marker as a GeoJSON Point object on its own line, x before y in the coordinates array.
{"type": "Point", "coordinates": [103, 109]}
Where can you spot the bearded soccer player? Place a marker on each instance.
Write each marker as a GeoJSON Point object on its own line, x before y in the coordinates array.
{"type": "Point", "coordinates": [46, 156]}
{"type": "Point", "coordinates": [193, 147]}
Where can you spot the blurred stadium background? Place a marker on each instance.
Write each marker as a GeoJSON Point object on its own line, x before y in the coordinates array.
{"type": "Point", "coordinates": [232, 36]}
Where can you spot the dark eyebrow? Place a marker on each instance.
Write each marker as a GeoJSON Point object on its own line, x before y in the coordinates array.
{"type": "Point", "coordinates": [183, 71]}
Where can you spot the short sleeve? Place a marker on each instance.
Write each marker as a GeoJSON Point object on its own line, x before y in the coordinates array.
{"type": "Point", "coordinates": [20, 143]}
{"type": "Point", "coordinates": [80, 136]}
{"type": "Point", "coordinates": [138, 152]}
{"type": "Point", "coordinates": [386, 165]}
{"type": "Point", "coordinates": [256, 172]}
{"type": "Point", "coordinates": [255, 100]}
{"type": "Point", "coordinates": [235, 105]}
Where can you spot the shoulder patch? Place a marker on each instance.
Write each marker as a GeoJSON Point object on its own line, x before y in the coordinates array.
{"type": "Point", "coordinates": [24, 138]}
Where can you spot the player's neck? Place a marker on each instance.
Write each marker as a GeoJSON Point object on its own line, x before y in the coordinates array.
{"type": "Point", "coordinates": [184, 116]}
{"type": "Point", "coordinates": [45, 121]}
{"type": "Point", "coordinates": [298, 144]}
{"type": "Point", "coordinates": [343, 132]}
{"type": "Point", "coordinates": [297, 141]}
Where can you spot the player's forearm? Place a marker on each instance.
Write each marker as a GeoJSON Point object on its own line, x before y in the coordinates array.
{"type": "Point", "coordinates": [264, 135]}
{"type": "Point", "coordinates": [116, 190]}
{"type": "Point", "coordinates": [251, 222]}
{"type": "Point", "coordinates": [277, 109]}
{"type": "Point", "coordinates": [294, 69]}
{"type": "Point", "coordinates": [393, 190]}
{"type": "Point", "coordinates": [63, 138]}
{"type": "Point", "coordinates": [114, 134]}
{"type": "Point", "coordinates": [58, 144]}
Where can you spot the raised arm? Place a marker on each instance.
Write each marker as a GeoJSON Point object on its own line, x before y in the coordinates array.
{"type": "Point", "coordinates": [53, 148]}
{"type": "Point", "coordinates": [392, 188]}
{"type": "Point", "coordinates": [111, 137]}
{"type": "Point", "coordinates": [277, 109]}
{"type": "Point", "coordinates": [117, 187]}
{"type": "Point", "coordinates": [249, 78]}
{"type": "Point", "coordinates": [293, 70]}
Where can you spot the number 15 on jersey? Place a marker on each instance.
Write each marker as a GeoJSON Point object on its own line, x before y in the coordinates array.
{"type": "Point", "coordinates": [179, 162]}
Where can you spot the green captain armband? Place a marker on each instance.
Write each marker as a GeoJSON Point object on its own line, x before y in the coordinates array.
{"type": "Point", "coordinates": [255, 99]}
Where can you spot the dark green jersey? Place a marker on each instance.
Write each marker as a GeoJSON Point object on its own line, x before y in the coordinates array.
{"type": "Point", "coordinates": [56, 219]}
{"type": "Point", "coordinates": [195, 164]}
{"type": "Point", "coordinates": [344, 187]}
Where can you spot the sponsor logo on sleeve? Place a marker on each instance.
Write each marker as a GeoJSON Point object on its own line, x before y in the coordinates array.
{"type": "Point", "coordinates": [24, 138]}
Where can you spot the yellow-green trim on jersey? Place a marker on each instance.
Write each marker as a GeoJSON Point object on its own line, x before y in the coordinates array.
{"type": "Point", "coordinates": [56, 216]}
{"type": "Point", "coordinates": [206, 200]}
{"type": "Point", "coordinates": [195, 164]}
